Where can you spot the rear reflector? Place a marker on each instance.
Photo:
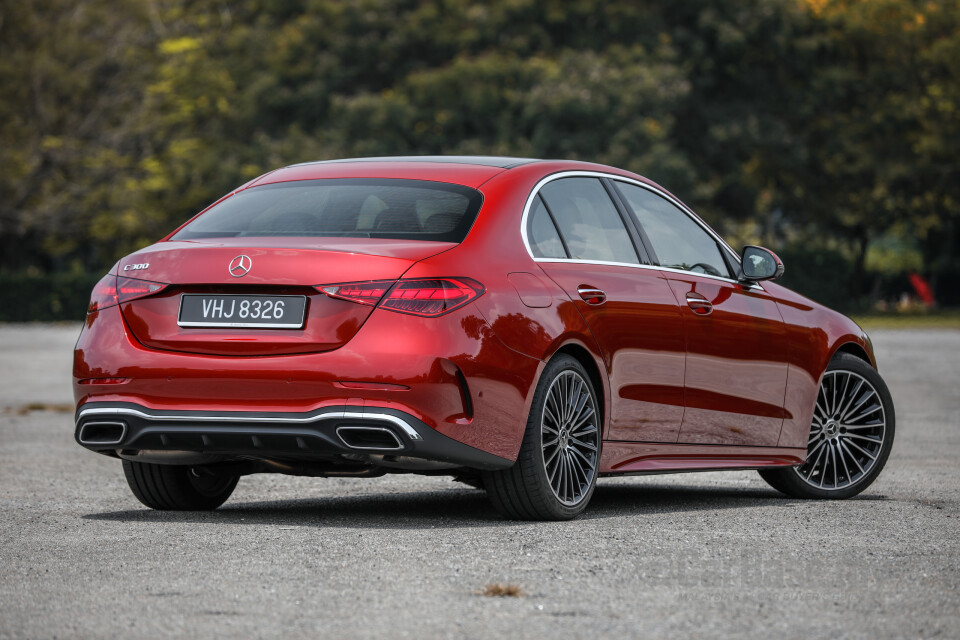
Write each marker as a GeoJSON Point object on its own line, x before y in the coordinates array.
{"type": "Point", "coordinates": [370, 386]}
{"type": "Point", "coordinates": [113, 290]}
{"type": "Point", "coordinates": [428, 297]}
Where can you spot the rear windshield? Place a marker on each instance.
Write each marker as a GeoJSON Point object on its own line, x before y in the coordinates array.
{"type": "Point", "coordinates": [350, 208]}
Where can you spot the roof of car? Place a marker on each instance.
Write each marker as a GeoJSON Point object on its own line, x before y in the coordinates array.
{"type": "Point", "coordinates": [471, 171]}
{"type": "Point", "coordinates": [503, 162]}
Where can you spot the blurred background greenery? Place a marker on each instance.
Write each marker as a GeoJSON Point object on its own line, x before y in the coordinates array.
{"type": "Point", "coordinates": [825, 130]}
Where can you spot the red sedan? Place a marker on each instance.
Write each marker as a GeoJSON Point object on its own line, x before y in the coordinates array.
{"type": "Point", "coordinates": [523, 325]}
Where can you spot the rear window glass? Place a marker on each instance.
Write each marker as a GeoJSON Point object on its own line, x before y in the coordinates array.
{"type": "Point", "coordinates": [588, 220]}
{"type": "Point", "coordinates": [350, 208]}
{"type": "Point", "coordinates": [544, 240]}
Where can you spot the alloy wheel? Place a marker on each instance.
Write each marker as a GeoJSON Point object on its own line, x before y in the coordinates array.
{"type": "Point", "coordinates": [847, 433]}
{"type": "Point", "coordinates": [570, 437]}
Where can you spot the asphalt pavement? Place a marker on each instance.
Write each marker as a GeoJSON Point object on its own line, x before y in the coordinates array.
{"type": "Point", "coordinates": [692, 555]}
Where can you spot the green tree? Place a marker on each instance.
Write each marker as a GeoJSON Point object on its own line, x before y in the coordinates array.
{"type": "Point", "coordinates": [882, 139]}
{"type": "Point", "coordinates": [71, 81]}
{"type": "Point", "coordinates": [833, 120]}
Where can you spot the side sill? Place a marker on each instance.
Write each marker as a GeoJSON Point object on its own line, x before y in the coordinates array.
{"type": "Point", "coordinates": [650, 457]}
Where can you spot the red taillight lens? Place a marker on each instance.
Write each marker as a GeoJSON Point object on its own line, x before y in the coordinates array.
{"type": "Point", "coordinates": [130, 289]}
{"type": "Point", "coordinates": [362, 292]}
{"type": "Point", "coordinates": [432, 297]}
{"type": "Point", "coordinates": [429, 297]}
{"type": "Point", "coordinates": [112, 290]}
{"type": "Point", "coordinates": [104, 294]}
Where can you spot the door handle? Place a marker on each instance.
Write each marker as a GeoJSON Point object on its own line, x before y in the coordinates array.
{"type": "Point", "coordinates": [591, 295]}
{"type": "Point", "coordinates": [700, 305]}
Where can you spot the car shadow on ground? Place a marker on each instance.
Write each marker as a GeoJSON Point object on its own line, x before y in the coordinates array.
{"type": "Point", "coordinates": [458, 507]}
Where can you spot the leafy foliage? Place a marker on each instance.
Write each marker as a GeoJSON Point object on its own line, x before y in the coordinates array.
{"type": "Point", "coordinates": [830, 124]}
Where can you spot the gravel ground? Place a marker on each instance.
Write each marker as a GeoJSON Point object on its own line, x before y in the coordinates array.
{"type": "Point", "coordinates": [716, 554]}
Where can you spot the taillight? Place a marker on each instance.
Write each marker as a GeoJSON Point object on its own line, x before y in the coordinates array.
{"type": "Point", "coordinates": [428, 297]}
{"type": "Point", "coordinates": [112, 290]}
{"type": "Point", "coordinates": [130, 289]}
{"type": "Point", "coordinates": [362, 292]}
{"type": "Point", "coordinates": [432, 297]}
{"type": "Point", "coordinates": [104, 294]}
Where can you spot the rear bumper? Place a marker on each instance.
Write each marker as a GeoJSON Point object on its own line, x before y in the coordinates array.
{"type": "Point", "coordinates": [451, 374]}
{"type": "Point", "coordinates": [316, 435]}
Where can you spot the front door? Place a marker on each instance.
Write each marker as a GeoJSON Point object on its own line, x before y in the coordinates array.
{"type": "Point", "coordinates": [736, 372]}
{"type": "Point", "coordinates": [736, 342]}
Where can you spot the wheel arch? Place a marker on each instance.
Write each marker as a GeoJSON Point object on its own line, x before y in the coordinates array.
{"type": "Point", "coordinates": [855, 349]}
{"type": "Point", "coordinates": [850, 346]}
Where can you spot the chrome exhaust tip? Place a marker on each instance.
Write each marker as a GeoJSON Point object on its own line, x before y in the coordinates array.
{"type": "Point", "coordinates": [369, 438]}
{"type": "Point", "coordinates": [102, 433]}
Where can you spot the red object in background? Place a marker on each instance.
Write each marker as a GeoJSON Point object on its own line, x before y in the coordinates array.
{"type": "Point", "coordinates": [443, 338]}
{"type": "Point", "coordinates": [922, 289]}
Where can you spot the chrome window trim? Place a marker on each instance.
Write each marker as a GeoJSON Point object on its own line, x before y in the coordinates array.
{"type": "Point", "coordinates": [652, 267]}
{"type": "Point", "coordinates": [612, 176]}
{"type": "Point", "coordinates": [349, 415]}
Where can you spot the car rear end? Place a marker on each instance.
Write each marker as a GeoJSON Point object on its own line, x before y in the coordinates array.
{"type": "Point", "coordinates": [277, 330]}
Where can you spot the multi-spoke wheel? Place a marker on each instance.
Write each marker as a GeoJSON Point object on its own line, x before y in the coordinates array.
{"type": "Point", "coordinates": [850, 436]}
{"type": "Point", "coordinates": [570, 438]}
{"type": "Point", "coordinates": [556, 470]}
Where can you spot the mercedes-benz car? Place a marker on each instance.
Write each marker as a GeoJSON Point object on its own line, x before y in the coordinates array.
{"type": "Point", "coordinates": [526, 326]}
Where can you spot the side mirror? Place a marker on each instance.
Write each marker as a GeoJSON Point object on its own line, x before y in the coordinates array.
{"type": "Point", "coordinates": [757, 263]}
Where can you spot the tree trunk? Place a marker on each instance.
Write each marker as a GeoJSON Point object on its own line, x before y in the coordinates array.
{"type": "Point", "coordinates": [857, 279]}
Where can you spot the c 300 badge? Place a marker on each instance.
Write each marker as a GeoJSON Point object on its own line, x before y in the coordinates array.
{"type": "Point", "coordinates": [136, 267]}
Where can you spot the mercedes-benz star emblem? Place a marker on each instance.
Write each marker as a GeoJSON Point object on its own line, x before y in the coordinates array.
{"type": "Point", "coordinates": [240, 266]}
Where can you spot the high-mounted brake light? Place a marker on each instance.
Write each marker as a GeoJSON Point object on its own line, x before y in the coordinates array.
{"type": "Point", "coordinates": [427, 297]}
{"type": "Point", "coordinates": [113, 290]}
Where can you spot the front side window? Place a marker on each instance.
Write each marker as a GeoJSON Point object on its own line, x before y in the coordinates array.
{"type": "Point", "coordinates": [352, 208]}
{"type": "Point", "coordinates": [588, 220]}
{"type": "Point", "coordinates": [678, 241]}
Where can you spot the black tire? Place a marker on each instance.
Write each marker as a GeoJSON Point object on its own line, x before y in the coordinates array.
{"type": "Point", "coordinates": [525, 491]}
{"type": "Point", "coordinates": [861, 456]}
{"type": "Point", "coordinates": [178, 488]}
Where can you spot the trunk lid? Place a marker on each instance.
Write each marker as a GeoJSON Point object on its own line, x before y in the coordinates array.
{"type": "Point", "coordinates": [275, 267]}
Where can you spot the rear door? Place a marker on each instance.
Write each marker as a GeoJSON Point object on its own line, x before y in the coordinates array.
{"type": "Point", "coordinates": [580, 239]}
{"type": "Point", "coordinates": [736, 341]}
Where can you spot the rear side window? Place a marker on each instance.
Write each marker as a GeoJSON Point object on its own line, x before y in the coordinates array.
{"type": "Point", "coordinates": [588, 220]}
{"type": "Point", "coordinates": [678, 241]}
{"type": "Point", "coordinates": [542, 233]}
{"type": "Point", "coordinates": [351, 208]}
